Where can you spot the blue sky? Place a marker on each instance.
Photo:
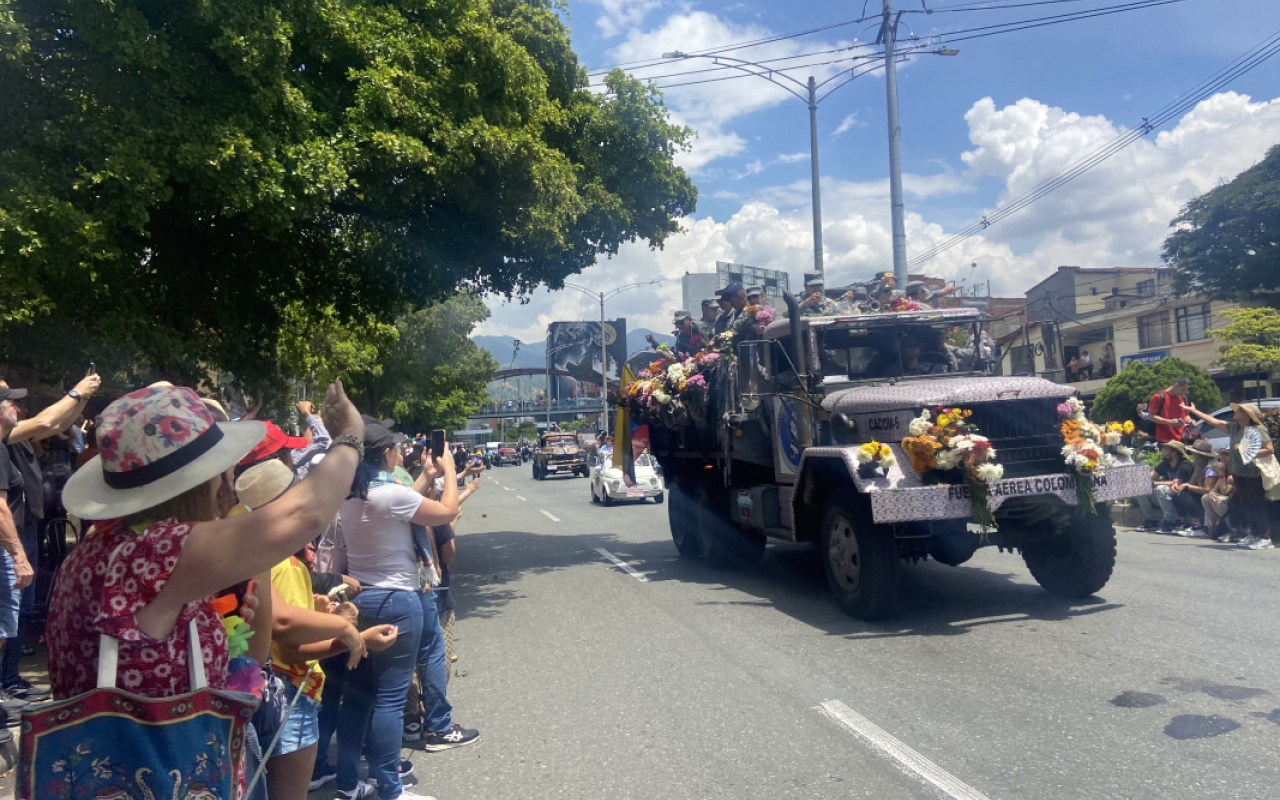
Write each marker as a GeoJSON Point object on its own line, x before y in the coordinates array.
{"type": "Point", "coordinates": [978, 128]}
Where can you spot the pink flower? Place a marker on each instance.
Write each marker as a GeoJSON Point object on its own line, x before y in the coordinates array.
{"type": "Point", "coordinates": [130, 461]}
{"type": "Point", "coordinates": [1065, 410]}
{"type": "Point", "coordinates": [764, 316]}
{"type": "Point", "coordinates": [175, 428]}
{"type": "Point", "coordinates": [697, 380]}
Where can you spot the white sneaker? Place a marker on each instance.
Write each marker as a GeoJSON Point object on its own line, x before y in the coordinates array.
{"type": "Point", "coordinates": [362, 791]}
{"type": "Point", "coordinates": [1198, 533]}
{"type": "Point", "coordinates": [408, 795]}
{"type": "Point", "coordinates": [1262, 544]}
{"type": "Point", "coordinates": [1247, 541]}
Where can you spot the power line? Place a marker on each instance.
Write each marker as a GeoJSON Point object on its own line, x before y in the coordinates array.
{"type": "Point", "coordinates": [964, 34]}
{"type": "Point", "coordinates": [1176, 108]}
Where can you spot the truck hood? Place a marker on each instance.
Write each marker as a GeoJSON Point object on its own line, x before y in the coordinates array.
{"type": "Point", "coordinates": [943, 392]}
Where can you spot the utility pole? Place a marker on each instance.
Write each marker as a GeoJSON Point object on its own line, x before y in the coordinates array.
{"type": "Point", "coordinates": [897, 207]}
{"type": "Point", "coordinates": [817, 193]}
{"type": "Point", "coordinates": [604, 373]}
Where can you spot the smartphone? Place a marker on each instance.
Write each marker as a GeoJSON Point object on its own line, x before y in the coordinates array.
{"type": "Point", "coordinates": [93, 368]}
{"type": "Point", "coordinates": [437, 443]}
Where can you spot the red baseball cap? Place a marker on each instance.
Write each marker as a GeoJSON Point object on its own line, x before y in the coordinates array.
{"type": "Point", "coordinates": [275, 440]}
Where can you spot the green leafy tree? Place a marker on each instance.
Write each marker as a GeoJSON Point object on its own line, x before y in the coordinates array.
{"type": "Point", "coordinates": [1135, 384]}
{"type": "Point", "coordinates": [1226, 242]}
{"type": "Point", "coordinates": [1253, 337]}
{"type": "Point", "coordinates": [434, 375]}
{"type": "Point", "coordinates": [188, 178]}
{"type": "Point", "coordinates": [527, 430]}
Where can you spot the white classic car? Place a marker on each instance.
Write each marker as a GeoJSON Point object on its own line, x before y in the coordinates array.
{"type": "Point", "coordinates": [609, 484]}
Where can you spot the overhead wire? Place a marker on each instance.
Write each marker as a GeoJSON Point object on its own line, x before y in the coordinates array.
{"type": "Point", "coordinates": [1175, 108]}
{"type": "Point", "coordinates": [965, 34]}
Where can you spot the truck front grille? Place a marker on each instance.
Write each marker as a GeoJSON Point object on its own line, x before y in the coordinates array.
{"type": "Point", "coordinates": [1025, 434]}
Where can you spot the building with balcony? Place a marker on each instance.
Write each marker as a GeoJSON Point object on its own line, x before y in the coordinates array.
{"type": "Point", "coordinates": [1079, 311]}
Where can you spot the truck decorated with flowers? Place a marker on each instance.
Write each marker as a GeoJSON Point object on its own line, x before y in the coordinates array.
{"type": "Point", "coordinates": [885, 438]}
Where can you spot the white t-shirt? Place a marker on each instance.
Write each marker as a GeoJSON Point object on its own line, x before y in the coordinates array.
{"type": "Point", "coordinates": [379, 542]}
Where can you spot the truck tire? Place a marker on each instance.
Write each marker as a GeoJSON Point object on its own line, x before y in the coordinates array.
{"type": "Point", "coordinates": [680, 517]}
{"type": "Point", "coordinates": [860, 558]}
{"type": "Point", "coordinates": [1078, 562]}
{"type": "Point", "coordinates": [659, 498]}
{"type": "Point", "coordinates": [722, 543]}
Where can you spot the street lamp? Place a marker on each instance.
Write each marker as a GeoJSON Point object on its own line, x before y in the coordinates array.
{"type": "Point", "coordinates": [811, 98]}
{"type": "Point", "coordinates": [604, 297]}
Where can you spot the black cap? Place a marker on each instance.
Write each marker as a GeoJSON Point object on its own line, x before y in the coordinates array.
{"type": "Point", "coordinates": [708, 303]}
{"type": "Point", "coordinates": [376, 439]}
{"type": "Point", "coordinates": [7, 393]}
{"type": "Point", "coordinates": [729, 291]}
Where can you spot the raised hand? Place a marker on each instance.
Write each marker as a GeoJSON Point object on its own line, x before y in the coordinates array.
{"type": "Point", "coordinates": [341, 417]}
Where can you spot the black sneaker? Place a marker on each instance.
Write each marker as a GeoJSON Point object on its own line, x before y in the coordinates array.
{"type": "Point", "coordinates": [8, 720]}
{"type": "Point", "coordinates": [6, 738]}
{"type": "Point", "coordinates": [13, 705]}
{"type": "Point", "coordinates": [1166, 527]}
{"type": "Point", "coordinates": [27, 690]}
{"type": "Point", "coordinates": [1148, 526]}
{"type": "Point", "coordinates": [456, 737]}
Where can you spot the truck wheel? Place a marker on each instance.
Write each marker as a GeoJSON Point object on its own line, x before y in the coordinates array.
{"type": "Point", "coordinates": [861, 560]}
{"type": "Point", "coordinates": [680, 518]}
{"type": "Point", "coordinates": [595, 498]}
{"type": "Point", "coordinates": [1077, 562]}
{"type": "Point", "coordinates": [606, 499]}
{"type": "Point", "coordinates": [659, 498]}
{"type": "Point", "coordinates": [722, 543]}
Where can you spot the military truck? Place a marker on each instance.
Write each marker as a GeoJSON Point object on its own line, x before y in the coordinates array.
{"type": "Point", "coordinates": [559, 453]}
{"type": "Point", "coordinates": [774, 455]}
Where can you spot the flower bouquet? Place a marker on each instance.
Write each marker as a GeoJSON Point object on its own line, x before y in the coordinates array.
{"type": "Point", "coordinates": [874, 459]}
{"type": "Point", "coordinates": [1083, 449]}
{"type": "Point", "coordinates": [762, 315]}
{"type": "Point", "coordinates": [945, 448]}
{"type": "Point", "coordinates": [903, 304]}
{"type": "Point", "coordinates": [1118, 439]}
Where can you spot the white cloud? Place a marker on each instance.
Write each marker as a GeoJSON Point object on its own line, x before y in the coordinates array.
{"type": "Point", "coordinates": [709, 107]}
{"type": "Point", "coordinates": [847, 124]}
{"type": "Point", "coordinates": [1115, 215]}
{"type": "Point", "coordinates": [618, 15]}
{"type": "Point", "coordinates": [791, 158]}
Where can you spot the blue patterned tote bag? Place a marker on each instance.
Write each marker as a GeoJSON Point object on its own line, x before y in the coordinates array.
{"type": "Point", "coordinates": [109, 743]}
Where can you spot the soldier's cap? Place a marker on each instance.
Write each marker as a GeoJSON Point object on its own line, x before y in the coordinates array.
{"type": "Point", "coordinates": [916, 286]}
{"type": "Point", "coordinates": [709, 303]}
{"type": "Point", "coordinates": [681, 316]}
{"type": "Point", "coordinates": [815, 280]}
{"type": "Point", "coordinates": [729, 291]}
{"type": "Point", "coordinates": [754, 290]}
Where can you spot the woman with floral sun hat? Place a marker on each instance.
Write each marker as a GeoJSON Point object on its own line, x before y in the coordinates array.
{"type": "Point", "coordinates": [158, 552]}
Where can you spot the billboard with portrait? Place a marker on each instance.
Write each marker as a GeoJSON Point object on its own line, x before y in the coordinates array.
{"type": "Point", "coordinates": [575, 348]}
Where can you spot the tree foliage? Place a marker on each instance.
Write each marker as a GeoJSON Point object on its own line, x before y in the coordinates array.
{"type": "Point", "coordinates": [189, 179]}
{"type": "Point", "coordinates": [1226, 242]}
{"type": "Point", "coordinates": [434, 375]}
{"type": "Point", "coordinates": [1253, 336]}
{"type": "Point", "coordinates": [1135, 384]}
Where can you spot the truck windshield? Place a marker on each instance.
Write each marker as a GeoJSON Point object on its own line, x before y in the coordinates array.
{"type": "Point", "coordinates": [560, 441]}
{"type": "Point", "coordinates": [894, 350]}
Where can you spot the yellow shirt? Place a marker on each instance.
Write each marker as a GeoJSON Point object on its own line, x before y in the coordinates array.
{"type": "Point", "coordinates": [292, 580]}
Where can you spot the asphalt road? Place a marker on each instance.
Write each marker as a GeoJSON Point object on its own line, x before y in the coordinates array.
{"type": "Point", "coordinates": [589, 682]}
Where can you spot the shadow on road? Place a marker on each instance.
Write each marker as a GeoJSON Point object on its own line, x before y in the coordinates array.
{"type": "Point", "coordinates": [936, 600]}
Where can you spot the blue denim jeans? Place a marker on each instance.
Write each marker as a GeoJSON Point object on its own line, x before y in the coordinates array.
{"type": "Point", "coordinates": [433, 669]}
{"type": "Point", "coordinates": [376, 690]}
{"type": "Point", "coordinates": [335, 682]}
{"type": "Point", "coordinates": [29, 536]}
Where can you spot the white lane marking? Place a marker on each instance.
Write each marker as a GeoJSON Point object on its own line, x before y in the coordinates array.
{"type": "Point", "coordinates": [549, 515]}
{"type": "Point", "coordinates": [627, 568]}
{"type": "Point", "coordinates": [507, 489]}
{"type": "Point", "coordinates": [907, 759]}
{"type": "Point", "coordinates": [522, 499]}
{"type": "Point", "coordinates": [496, 481]}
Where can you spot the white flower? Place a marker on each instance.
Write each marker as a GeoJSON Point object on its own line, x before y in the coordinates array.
{"type": "Point", "coordinates": [945, 459]}
{"type": "Point", "coordinates": [920, 425]}
{"type": "Point", "coordinates": [990, 473]}
{"type": "Point", "coordinates": [1124, 452]}
{"type": "Point", "coordinates": [726, 336]}
{"type": "Point", "coordinates": [862, 455]}
{"type": "Point", "coordinates": [991, 454]}
{"type": "Point", "coordinates": [662, 397]}
{"type": "Point", "coordinates": [1077, 406]}
{"type": "Point", "coordinates": [1111, 439]}
{"type": "Point", "coordinates": [888, 461]}
{"type": "Point", "coordinates": [675, 373]}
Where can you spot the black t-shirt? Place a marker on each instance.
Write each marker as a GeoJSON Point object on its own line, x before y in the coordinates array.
{"type": "Point", "coordinates": [24, 456]}
{"type": "Point", "coordinates": [11, 481]}
{"type": "Point", "coordinates": [1181, 473]}
{"type": "Point", "coordinates": [443, 535]}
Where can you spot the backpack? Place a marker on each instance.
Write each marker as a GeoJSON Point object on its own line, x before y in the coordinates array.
{"type": "Point", "coordinates": [1151, 424]}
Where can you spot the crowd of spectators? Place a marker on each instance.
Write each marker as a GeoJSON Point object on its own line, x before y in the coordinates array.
{"type": "Point", "coordinates": [334, 548]}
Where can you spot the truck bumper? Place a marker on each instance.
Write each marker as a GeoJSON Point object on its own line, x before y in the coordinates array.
{"type": "Point", "coordinates": [900, 495]}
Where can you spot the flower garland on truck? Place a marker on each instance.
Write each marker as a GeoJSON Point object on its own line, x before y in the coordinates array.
{"type": "Point", "coordinates": [945, 447]}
